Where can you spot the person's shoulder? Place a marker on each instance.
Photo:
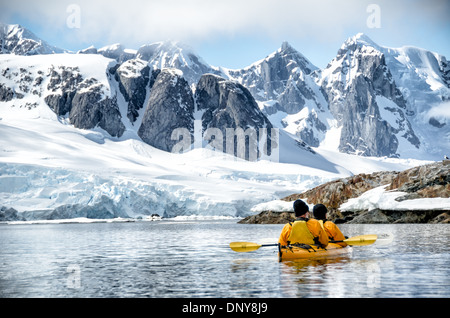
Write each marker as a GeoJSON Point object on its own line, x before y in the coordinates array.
{"type": "Point", "coordinates": [287, 225]}
{"type": "Point", "coordinates": [313, 221]}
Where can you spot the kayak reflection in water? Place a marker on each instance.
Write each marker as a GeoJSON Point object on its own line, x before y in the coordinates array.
{"type": "Point", "coordinates": [303, 230]}
{"type": "Point", "coordinates": [332, 230]}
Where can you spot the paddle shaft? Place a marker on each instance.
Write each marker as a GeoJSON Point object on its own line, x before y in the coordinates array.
{"type": "Point", "coordinates": [265, 245]}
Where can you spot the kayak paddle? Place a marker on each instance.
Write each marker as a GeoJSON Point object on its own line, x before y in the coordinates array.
{"type": "Point", "coordinates": [360, 240]}
{"type": "Point", "coordinates": [247, 246]}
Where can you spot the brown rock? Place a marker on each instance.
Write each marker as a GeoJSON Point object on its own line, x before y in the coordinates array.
{"type": "Point", "coordinates": [426, 181]}
{"type": "Point", "coordinates": [269, 217]}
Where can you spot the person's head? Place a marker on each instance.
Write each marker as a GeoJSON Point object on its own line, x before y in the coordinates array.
{"type": "Point", "coordinates": [320, 212]}
{"type": "Point", "coordinates": [300, 208]}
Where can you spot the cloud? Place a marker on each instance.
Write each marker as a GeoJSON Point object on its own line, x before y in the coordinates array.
{"type": "Point", "coordinates": [143, 21]}
{"type": "Point", "coordinates": [440, 112]}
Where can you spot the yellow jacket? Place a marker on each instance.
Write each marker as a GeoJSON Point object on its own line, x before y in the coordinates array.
{"type": "Point", "coordinates": [310, 233]}
{"type": "Point", "coordinates": [333, 232]}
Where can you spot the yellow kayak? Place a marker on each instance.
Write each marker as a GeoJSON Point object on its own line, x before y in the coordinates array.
{"type": "Point", "coordinates": [304, 251]}
{"type": "Point", "coordinates": [311, 251]}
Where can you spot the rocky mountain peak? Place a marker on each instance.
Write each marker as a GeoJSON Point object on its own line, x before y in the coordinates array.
{"type": "Point", "coordinates": [15, 39]}
{"type": "Point", "coordinates": [175, 55]}
{"type": "Point", "coordinates": [359, 39]}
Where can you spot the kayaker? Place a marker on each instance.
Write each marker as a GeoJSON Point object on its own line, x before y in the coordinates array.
{"type": "Point", "coordinates": [332, 230]}
{"type": "Point", "coordinates": [303, 230]}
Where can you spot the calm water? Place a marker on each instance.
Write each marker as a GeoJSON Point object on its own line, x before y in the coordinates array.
{"type": "Point", "coordinates": [192, 259]}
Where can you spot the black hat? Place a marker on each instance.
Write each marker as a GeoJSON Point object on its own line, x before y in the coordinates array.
{"type": "Point", "coordinates": [300, 207]}
{"type": "Point", "coordinates": [319, 211]}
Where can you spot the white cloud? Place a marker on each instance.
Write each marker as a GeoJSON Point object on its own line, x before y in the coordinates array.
{"type": "Point", "coordinates": [138, 22]}
{"type": "Point", "coordinates": [141, 20]}
{"type": "Point", "coordinates": [440, 112]}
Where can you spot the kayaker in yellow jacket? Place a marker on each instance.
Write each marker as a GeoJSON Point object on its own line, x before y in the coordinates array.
{"type": "Point", "coordinates": [303, 230]}
{"type": "Point", "coordinates": [332, 230]}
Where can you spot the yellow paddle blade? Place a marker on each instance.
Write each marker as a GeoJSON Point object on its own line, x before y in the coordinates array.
{"type": "Point", "coordinates": [361, 240]}
{"type": "Point", "coordinates": [244, 246]}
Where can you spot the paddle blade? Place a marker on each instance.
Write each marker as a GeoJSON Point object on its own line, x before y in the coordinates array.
{"type": "Point", "coordinates": [244, 246]}
{"type": "Point", "coordinates": [361, 240]}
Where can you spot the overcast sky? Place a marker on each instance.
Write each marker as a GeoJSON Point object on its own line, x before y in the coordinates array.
{"type": "Point", "coordinates": [236, 33]}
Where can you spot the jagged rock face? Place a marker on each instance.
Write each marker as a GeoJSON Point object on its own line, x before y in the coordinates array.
{"type": "Point", "coordinates": [357, 82]}
{"type": "Point", "coordinates": [362, 131]}
{"type": "Point", "coordinates": [267, 79]}
{"type": "Point", "coordinates": [284, 84]}
{"type": "Point", "coordinates": [133, 77]}
{"type": "Point", "coordinates": [229, 105]}
{"type": "Point", "coordinates": [62, 85]}
{"type": "Point", "coordinates": [91, 108]}
{"type": "Point", "coordinates": [444, 67]}
{"type": "Point", "coordinates": [84, 100]}
{"type": "Point", "coordinates": [170, 106]}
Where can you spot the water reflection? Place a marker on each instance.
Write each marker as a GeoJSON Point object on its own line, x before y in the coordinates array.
{"type": "Point", "coordinates": [313, 278]}
{"type": "Point", "coordinates": [170, 259]}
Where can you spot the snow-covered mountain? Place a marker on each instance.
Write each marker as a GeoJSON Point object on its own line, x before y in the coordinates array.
{"type": "Point", "coordinates": [370, 100]}
{"type": "Point", "coordinates": [382, 99]}
{"type": "Point", "coordinates": [284, 85]}
{"type": "Point", "coordinates": [92, 134]}
{"type": "Point", "coordinates": [15, 39]}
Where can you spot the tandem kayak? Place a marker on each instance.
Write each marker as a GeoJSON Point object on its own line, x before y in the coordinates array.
{"type": "Point", "coordinates": [311, 251]}
{"type": "Point", "coordinates": [304, 251]}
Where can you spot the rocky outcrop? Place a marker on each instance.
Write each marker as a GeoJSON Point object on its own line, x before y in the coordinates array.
{"type": "Point", "coordinates": [333, 194]}
{"type": "Point", "coordinates": [228, 105]}
{"type": "Point", "coordinates": [398, 216]}
{"type": "Point", "coordinates": [133, 77]}
{"type": "Point", "coordinates": [62, 86]}
{"type": "Point", "coordinates": [91, 108]}
{"type": "Point", "coordinates": [427, 181]}
{"type": "Point", "coordinates": [360, 90]}
{"type": "Point", "coordinates": [169, 109]}
{"type": "Point", "coordinates": [6, 93]}
{"type": "Point", "coordinates": [269, 217]}
{"type": "Point", "coordinates": [84, 99]}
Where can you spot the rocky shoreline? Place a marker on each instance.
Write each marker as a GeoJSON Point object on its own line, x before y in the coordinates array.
{"type": "Point", "coordinates": [427, 181]}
